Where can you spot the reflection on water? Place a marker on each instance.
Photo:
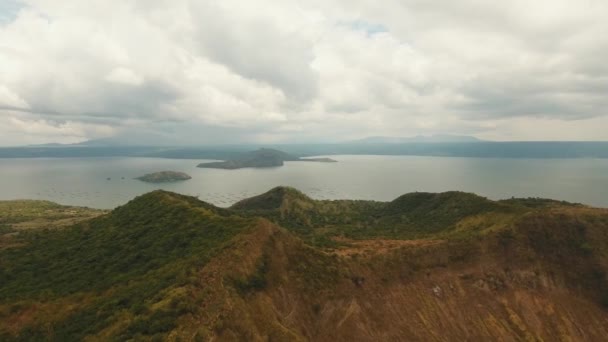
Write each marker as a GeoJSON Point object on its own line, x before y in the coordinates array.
{"type": "Point", "coordinates": [108, 182]}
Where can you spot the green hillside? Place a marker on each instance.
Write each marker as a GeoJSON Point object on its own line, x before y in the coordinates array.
{"type": "Point", "coordinates": [412, 215]}
{"type": "Point", "coordinates": [126, 262]}
{"type": "Point", "coordinates": [284, 267]}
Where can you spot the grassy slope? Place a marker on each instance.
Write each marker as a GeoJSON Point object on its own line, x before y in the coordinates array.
{"type": "Point", "coordinates": [422, 267]}
{"type": "Point", "coordinates": [30, 214]}
{"type": "Point", "coordinates": [20, 215]}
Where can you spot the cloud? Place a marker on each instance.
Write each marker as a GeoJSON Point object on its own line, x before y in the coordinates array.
{"type": "Point", "coordinates": [124, 76]}
{"type": "Point", "coordinates": [19, 129]}
{"type": "Point", "coordinates": [255, 45]}
{"type": "Point", "coordinates": [285, 70]}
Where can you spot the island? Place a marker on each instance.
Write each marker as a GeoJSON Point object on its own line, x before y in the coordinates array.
{"type": "Point", "coordinates": [262, 158]}
{"type": "Point", "coordinates": [164, 177]}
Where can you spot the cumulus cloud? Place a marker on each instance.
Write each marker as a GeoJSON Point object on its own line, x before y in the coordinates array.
{"type": "Point", "coordinates": [290, 71]}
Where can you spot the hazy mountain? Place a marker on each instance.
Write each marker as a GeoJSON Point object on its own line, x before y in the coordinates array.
{"type": "Point", "coordinates": [133, 139]}
{"type": "Point", "coordinates": [282, 266]}
{"type": "Point", "coordinates": [481, 149]}
{"type": "Point", "coordinates": [417, 139]}
{"type": "Point", "coordinates": [49, 145]}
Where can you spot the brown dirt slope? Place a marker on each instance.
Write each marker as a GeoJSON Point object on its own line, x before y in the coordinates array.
{"type": "Point", "coordinates": [542, 279]}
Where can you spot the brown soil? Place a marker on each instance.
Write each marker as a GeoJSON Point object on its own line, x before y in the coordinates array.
{"type": "Point", "coordinates": [387, 290]}
{"type": "Point", "coordinates": [351, 247]}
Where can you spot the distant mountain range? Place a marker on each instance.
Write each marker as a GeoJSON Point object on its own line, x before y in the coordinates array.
{"type": "Point", "coordinates": [134, 139]}
{"type": "Point", "coordinates": [141, 140]}
{"type": "Point", "coordinates": [438, 146]}
{"type": "Point", "coordinates": [417, 139]}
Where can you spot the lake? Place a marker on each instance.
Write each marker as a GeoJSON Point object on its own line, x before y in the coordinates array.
{"type": "Point", "coordinates": [84, 181]}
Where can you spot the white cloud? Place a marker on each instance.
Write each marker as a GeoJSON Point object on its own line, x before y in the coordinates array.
{"type": "Point", "coordinates": [17, 129]}
{"type": "Point", "coordinates": [9, 99]}
{"type": "Point", "coordinates": [329, 70]}
{"type": "Point", "coordinates": [126, 76]}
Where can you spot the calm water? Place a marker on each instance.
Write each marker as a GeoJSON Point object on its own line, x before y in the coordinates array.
{"type": "Point", "coordinates": [83, 181]}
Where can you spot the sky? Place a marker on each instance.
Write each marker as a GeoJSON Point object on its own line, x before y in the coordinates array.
{"type": "Point", "coordinates": [266, 71]}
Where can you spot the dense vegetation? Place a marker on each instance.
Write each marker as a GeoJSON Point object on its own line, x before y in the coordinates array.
{"type": "Point", "coordinates": [413, 215]}
{"type": "Point", "coordinates": [170, 267]}
{"type": "Point", "coordinates": [124, 262]}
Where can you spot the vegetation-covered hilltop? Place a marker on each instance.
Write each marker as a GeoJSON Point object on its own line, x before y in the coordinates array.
{"type": "Point", "coordinates": [164, 177]}
{"type": "Point", "coordinates": [284, 267]}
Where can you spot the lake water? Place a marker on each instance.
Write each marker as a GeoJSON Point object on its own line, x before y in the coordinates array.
{"type": "Point", "coordinates": [84, 181]}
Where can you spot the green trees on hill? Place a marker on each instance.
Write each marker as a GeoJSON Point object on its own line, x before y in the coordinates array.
{"type": "Point", "coordinates": [122, 262]}
{"type": "Point", "coordinates": [134, 274]}
{"type": "Point", "coordinates": [409, 216]}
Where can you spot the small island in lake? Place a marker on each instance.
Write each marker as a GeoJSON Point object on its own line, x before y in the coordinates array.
{"type": "Point", "coordinates": [264, 157]}
{"type": "Point", "coordinates": [164, 177]}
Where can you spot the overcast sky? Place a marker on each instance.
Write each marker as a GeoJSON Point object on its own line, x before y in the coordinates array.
{"type": "Point", "coordinates": [302, 71]}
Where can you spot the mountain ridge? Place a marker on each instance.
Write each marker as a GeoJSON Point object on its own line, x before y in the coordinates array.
{"type": "Point", "coordinates": [285, 267]}
{"type": "Point", "coordinates": [437, 138]}
{"type": "Point", "coordinates": [482, 149]}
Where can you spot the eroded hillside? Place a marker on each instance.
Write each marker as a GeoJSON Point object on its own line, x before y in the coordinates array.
{"type": "Point", "coordinates": [284, 267]}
